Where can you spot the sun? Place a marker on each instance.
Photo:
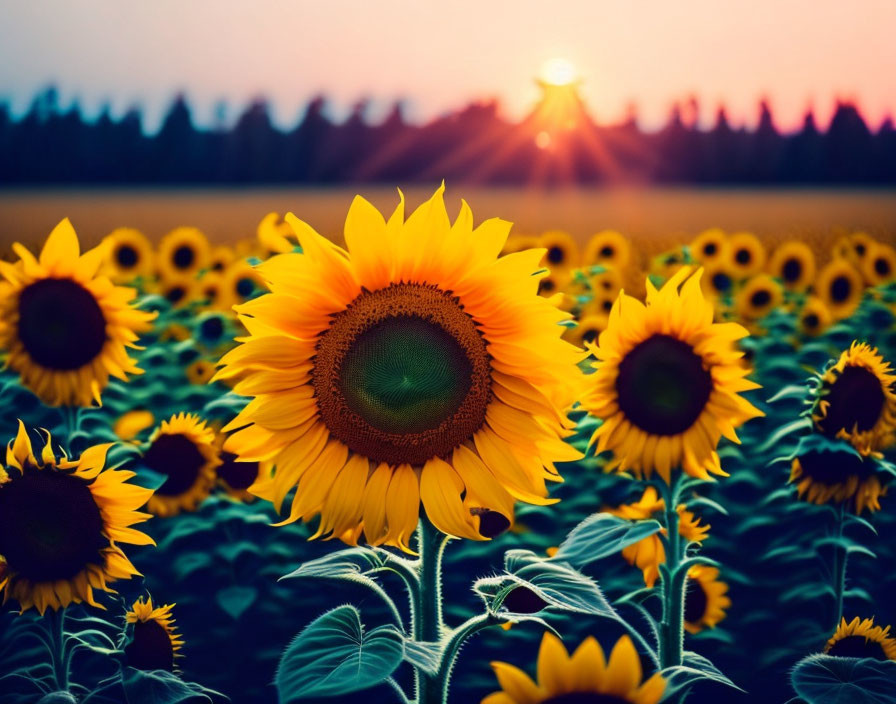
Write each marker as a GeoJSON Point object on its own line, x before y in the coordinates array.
{"type": "Point", "coordinates": [559, 72]}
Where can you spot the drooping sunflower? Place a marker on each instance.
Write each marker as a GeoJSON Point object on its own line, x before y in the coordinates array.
{"type": "Point", "coordinates": [648, 554]}
{"type": "Point", "coordinates": [793, 262]}
{"type": "Point", "coordinates": [584, 676]}
{"type": "Point", "coordinates": [879, 267]}
{"type": "Point", "coordinates": [152, 641]}
{"type": "Point", "coordinates": [861, 639]}
{"type": "Point", "coordinates": [608, 248]}
{"type": "Point", "coordinates": [666, 382]}
{"type": "Point", "coordinates": [839, 286]}
{"type": "Point", "coordinates": [416, 366]}
{"type": "Point", "coordinates": [66, 329]}
{"type": "Point", "coordinates": [814, 317]}
{"type": "Point", "coordinates": [182, 253]}
{"type": "Point", "coordinates": [856, 399]}
{"type": "Point", "coordinates": [128, 254]}
{"type": "Point", "coordinates": [746, 254]}
{"type": "Point", "coordinates": [61, 522]}
{"type": "Point", "coordinates": [183, 450]}
{"type": "Point", "coordinates": [705, 598]}
{"type": "Point", "coordinates": [710, 246]}
{"type": "Point", "coordinates": [561, 250]}
{"type": "Point", "coordinates": [759, 297]}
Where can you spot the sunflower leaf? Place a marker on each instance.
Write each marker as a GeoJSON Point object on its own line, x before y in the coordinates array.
{"type": "Point", "coordinates": [694, 668]}
{"type": "Point", "coordinates": [824, 679]}
{"type": "Point", "coordinates": [334, 656]}
{"type": "Point", "coordinates": [602, 535]}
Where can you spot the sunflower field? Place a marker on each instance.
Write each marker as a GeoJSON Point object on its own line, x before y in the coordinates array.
{"type": "Point", "coordinates": [447, 463]}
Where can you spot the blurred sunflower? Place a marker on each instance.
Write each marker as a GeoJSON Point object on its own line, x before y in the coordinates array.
{"type": "Point", "coordinates": [61, 523]}
{"type": "Point", "coordinates": [417, 365]}
{"type": "Point", "coordinates": [829, 474]}
{"type": "Point", "coordinates": [561, 251]}
{"type": "Point", "coordinates": [182, 449]}
{"type": "Point", "coordinates": [666, 382]}
{"type": "Point", "coordinates": [839, 286]}
{"type": "Point", "coordinates": [151, 643]}
{"type": "Point", "coordinates": [608, 248]}
{"type": "Point", "coordinates": [239, 283]}
{"type": "Point", "coordinates": [65, 328]}
{"type": "Point", "coordinates": [861, 243]}
{"type": "Point", "coordinates": [746, 254]}
{"type": "Point", "coordinates": [705, 599]}
{"type": "Point", "coordinates": [178, 292]}
{"type": "Point", "coordinates": [220, 258]}
{"type": "Point", "coordinates": [182, 254]}
{"type": "Point", "coordinates": [856, 399]}
{"type": "Point", "coordinates": [128, 254]}
{"type": "Point", "coordinates": [758, 297]}
{"type": "Point", "coordinates": [200, 372]}
{"type": "Point", "coordinates": [814, 317]}
{"type": "Point", "coordinates": [710, 246]}
{"type": "Point", "coordinates": [861, 639]}
{"type": "Point", "coordinates": [211, 290]}
{"type": "Point", "coordinates": [236, 477]}
{"type": "Point", "coordinates": [585, 676]}
{"type": "Point", "coordinates": [716, 281]}
{"type": "Point", "coordinates": [794, 263]}
{"type": "Point", "coordinates": [274, 235]}
{"type": "Point", "coordinates": [588, 328]}
{"type": "Point", "coordinates": [518, 243]}
{"type": "Point", "coordinates": [608, 282]}
{"type": "Point", "coordinates": [130, 424]}
{"type": "Point", "coordinates": [879, 267]}
{"type": "Point", "coordinates": [648, 554]}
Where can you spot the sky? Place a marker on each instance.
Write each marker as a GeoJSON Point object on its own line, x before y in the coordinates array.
{"type": "Point", "coordinates": [440, 56]}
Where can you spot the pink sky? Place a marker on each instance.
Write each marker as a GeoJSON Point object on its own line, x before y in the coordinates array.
{"type": "Point", "coordinates": [795, 52]}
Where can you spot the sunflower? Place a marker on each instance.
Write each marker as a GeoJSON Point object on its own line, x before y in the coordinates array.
{"type": "Point", "coordinates": [66, 330]}
{"type": "Point", "coordinates": [856, 399]}
{"type": "Point", "coordinates": [587, 329]}
{"type": "Point", "coordinates": [648, 554]}
{"type": "Point", "coordinates": [416, 366]}
{"type": "Point", "coordinates": [220, 258]}
{"type": "Point", "coordinates": [275, 236]}
{"type": "Point", "coordinates": [861, 639]}
{"type": "Point", "coordinates": [61, 523]}
{"type": "Point", "coordinates": [129, 425]}
{"type": "Point", "coordinates": [814, 317]}
{"type": "Point", "coordinates": [879, 267]}
{"type": "Point", "coordinates": [128, 254]}
{"type": "Point", "coordinates": [182, 449]}
{"type": "Point", "coordinates": [667, 381]}
{"type": "Point", "coordinates": [861, 243]}
{"type": "Point", "coordinates": [211, 290]}
{"type": "Point", "coordinates": [794, 263]}
{"type": "Point", "coordinates": [518, 243]}
{"type": "Point", "coordinates": [561, 251]}
{"type": "Point", "coordinates": [608, 248]}
{"type": "Point", "coordinates": [182, 254]}
{"type": "Point", "coordinates": [211, 330]}
{"type": "Point", "coordinates": [553, 283]}
{"type": "Point", "coordinates": [705, 598]}
{"type": "Point", "coordinates": [746, 255]}
{"type": "Point", "coordinates": [200, 372]}
{"type": "Point", "coordinates": [717, 281]}
{"type": "Point", "coordinates": [759, 297]}
{"type": "Point", "coordinates": [825, 474]}
{"type": "Point", "coordinates": [178, 292]}
{"type": "Point", "coordinates": [839, 286]}
{"type": "Point", "coordinates": [585, 676]}
{"type": "Point", "coordinates": [240, 282]}
{"type": "Point", "coordinates": [606, 283]}
{"type": "Point", "coordinates": [236, 477]}
{"type": "Point", "coordinates": [710, 246]}
{"type": "Point", "coordinates": [152, 643]}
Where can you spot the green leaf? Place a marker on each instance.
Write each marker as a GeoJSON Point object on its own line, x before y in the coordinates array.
{"type": "Point", "coordinates": [334, 656]}
{"type": "Point", "coordinates": [348, 565]}
{"type": "Point", "coordinates": [824, 679]}
{"type": "Point", "coordinates": [236, 599]}
{"type": "Point", "coordinates": [694, 668]}
{"type": "Point", "coordinates": [600, 536]}
{"type": "Point", "coordinates": [160, 687]}
{"type": "Point", "coordinates": [703, 502]}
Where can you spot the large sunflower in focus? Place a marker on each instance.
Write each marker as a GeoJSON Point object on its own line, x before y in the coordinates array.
{"type": "Point", "coordinates": [60, 525]}
{"type": "Point", "coordinates": [667, 381]}
{"type": "Point", "coordinates": [415, 366]}
{"type": "Point", "coordinates": [585, 677]}
{"type": "Point", "coordinates": [66, 329]}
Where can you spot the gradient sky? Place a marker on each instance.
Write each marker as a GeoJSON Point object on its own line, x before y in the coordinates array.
{"type": "Point", "coordinates": [651, 52]}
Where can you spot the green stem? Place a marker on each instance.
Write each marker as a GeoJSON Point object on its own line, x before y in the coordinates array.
{"type": "Point", "coordinates": [839, 569]}
{"type": "Point", "coordinates": [55, 622]}
{"type": "Point", "coordinates": [428, 624]}
{"type": "Point", "coordinates": [672, 625]}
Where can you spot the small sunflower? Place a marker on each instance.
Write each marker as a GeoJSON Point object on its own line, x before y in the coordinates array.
{"type": "Point", "coordinates": [839, 286]}
{"type": "Point", "coordinates": [129, 425]}
{"type": "Point", "coordinates": [648, 554]}
{"type": "Point", "coordinates": [587, 329]}
{"type": "Point", "coordinates": [178, 292]}
{"type": "Point", "coordinates": [746, 255]}
{"type": "Point", "coordinates": [584, 676]}
{"type": "Point", "coordinates": [182, 254]}
{"type": "Point", "coordinates": [879, 267]}
{"type": "Point", "coordinates": [211, 290]}
{"type": "Point", "coordinates": [793, 263]}
{"type": "Point", "coordinates": [240, 283]}
{"type": "Point", "coordinates": [274, 235]}
{"type": "Point", "coordinates": [667, 381]}
{"type": "Point", "coordinates": [66, 329]}
{"type": "Point", "coordinates": [861, 639]}
{"type": "Point", "coordinates": [200, 372]}
{"type": "Point", "coordinates": [861, 243]}
{"type": "Point", "coordinates": [759, 297]}
{"type": "Point", "coordinates": [128, 254]}
{"type": "Point", "coordinates": [717, 281]}
{"type": "Point", "coordinates": [561, 251]}
{"type": "Point", "coordinates": [828, 474]}
{"type": "Point", "coordinates": [814, 317]}
{"type": "Point", "coordinates": [856, 399]}
{"type": "Point", "coordinates": [710, 246]}
{"type": "Point", "coordinates": [220, 258]}
{"type": "Point", "coordinates": [61, 523]}
{"type": "Point", "coordinates": [553, 283]}
{"type": "Point", "coordinates": [236, 477]}
{"type": "Point", "coordinates": [608, 248]}
{"type": "Point", "coordinates": [417, 366]}
{"type": "Point", "coordinates": [183, 450]}
{"type": "Point", "coordinates": [705, 598]}
{"type": "Point", "coordinates": [151, 642]}
{"type": "Point", "coordinates": [607, 283]}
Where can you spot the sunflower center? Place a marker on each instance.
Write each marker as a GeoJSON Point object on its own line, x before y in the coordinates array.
{"type": "Point", "coordinates": [709, 249]}
{"type": "Point", "coordinates": [811, 321]}
{"type": "Point", "coordinates": [882, 266]}
{"type": "Point", "coordinates": [61, 325]}
{"type": "Point", "coordinates": [50, 525]}
{"type": "Point", "coordinates": [238, 475]}
{"type": "Point", "coordinates": [150, 647]}
{"type": "Point", "coordinates": [183, 257]}
{"type": "Point", "coordinates": [721, 282]}
{"type": "Point", "coordinates": [586, 698]}
{"type": "Point", "coordinates": [177, 458]}
{"type": "Point", "coordinates": [857, 647]}
{"type": "Point", "coordinates": [695, 602]}
{"type": "Point", "coordinates": [607, 251]}
{"type": "Point", "coordinates": [760, 299]}
{"type": "Point", "coordinates": [743, 256]}
{"type": "Point", "coordinates": [840, 289]}
{"type": "Point", "coordinates": [856, 401]}
{"type": "Point", "coordinates": [245, 287]}
{"type": "Point", "coordinates": [556, 255]}
{"type": "Point", "coordinates": [402, 374]}
{"type": "Point", "coordinates": [126, 256]}
{"type": "Point", "coordinates": [175, 294]}
{"type": "Point", "coordinates": [833, 467]}
{"type": "Point", "coordinates": [662, 385]}
{"type": "Point", "coordinates": [792, 270]}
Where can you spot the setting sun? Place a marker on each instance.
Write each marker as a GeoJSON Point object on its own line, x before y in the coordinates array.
{"type": "Point", "coordinates": [559, 72]}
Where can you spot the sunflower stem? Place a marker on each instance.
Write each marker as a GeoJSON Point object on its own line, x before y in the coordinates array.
{"type": "Point", "coordinates": [428, 624]}
{"type": "Point", "coordinates": [672, 626]}
{"type": "Point", "coordinates": [55, 623]}
{"type": "Point", "coordinates": [839, 568]}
